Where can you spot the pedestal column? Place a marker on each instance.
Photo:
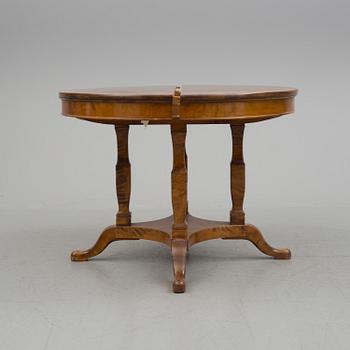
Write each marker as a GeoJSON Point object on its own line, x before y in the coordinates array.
{"type": "Point", "coordinates": [179, 203]}
{"type": "Point", "coordinates": [123, 176]}
{"type": "Point", "coordinates": [237, 216]}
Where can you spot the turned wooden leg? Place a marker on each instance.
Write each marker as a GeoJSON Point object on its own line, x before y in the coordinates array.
{"type": "Point", "coordinates": [179, 203]}
{"type": "Point", "coordinates": [237, 175]}
{"type": "Point", "coordinates": [123, 176]}
{"type": "Point", "coordinates": [186, 163]}
{"type": "Point", "coordinates": [123, 217]}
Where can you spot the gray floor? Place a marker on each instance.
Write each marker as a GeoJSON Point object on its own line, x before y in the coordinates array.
{"type": "Point", "coordinates": [236, 298]}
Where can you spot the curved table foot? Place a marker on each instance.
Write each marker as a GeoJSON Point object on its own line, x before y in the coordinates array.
{"type": "Point", "coordinates": [199, 230]}
{"type": "Point", "coordinates": [119, 233]}
{"type": "Point", "coordinates": [179, 252]}
{"type": "Point", "coordinates": [255, 236]}
{"type": "Point", "coordinates": [109, 235]}
{"type": "Point", "coordinates": [248, 232]}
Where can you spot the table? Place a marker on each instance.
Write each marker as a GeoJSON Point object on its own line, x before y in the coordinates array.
{"type": "Point", "coordinates": [179, 106]}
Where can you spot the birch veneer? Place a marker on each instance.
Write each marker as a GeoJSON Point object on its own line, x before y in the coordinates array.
{"type": "Point", "coordinates": [179, 106]}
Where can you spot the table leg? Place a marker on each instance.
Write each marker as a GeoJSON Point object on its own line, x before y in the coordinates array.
{"type": "Point", "coordinates": [123, 176]}
{"type": "Point", "coordinates": [185, 230]}
{"type": "Point", "coordinates": [186, 162]}
{"type": "Point", "coordinates": [123, 217]}
{"type": "Point", "coordinates": [236, 229]}
{"type": "Point", "coordinates": [179, 203]}
{"type": "Point", "coordinates": [237, 175]}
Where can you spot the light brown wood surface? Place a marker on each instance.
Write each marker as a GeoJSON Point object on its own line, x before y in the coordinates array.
{"type": "Point", "coordinates": [179, 106]}
{"type": "Point", "coordinates": [199, 104]}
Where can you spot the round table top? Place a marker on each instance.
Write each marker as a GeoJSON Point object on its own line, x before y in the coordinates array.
{"type": "Point", "coordinates": [197, 103]}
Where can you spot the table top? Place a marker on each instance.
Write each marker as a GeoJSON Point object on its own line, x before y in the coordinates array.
{"type": "Point", "coordinates": [197, 103]}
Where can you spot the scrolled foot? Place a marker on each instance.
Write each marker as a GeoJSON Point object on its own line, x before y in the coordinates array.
{"type": "Point", "coordinates": [179, 251]}
{"type": "Point", "coordinates": [109, 235]}
{"type": "Point", "coordinates": [254, 235]}
{"type": "Point", "coordinates": [179, 286]}
{"type": "Point", "coordinates": [282, 254]}
{"type": "Point", "coordinates": [79, 255]}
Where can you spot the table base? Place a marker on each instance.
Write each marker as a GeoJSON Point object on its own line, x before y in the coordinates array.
{"type": "Point", "coordinates": [198, 230]}
{"type": "Point", "coordinates": [181, 230]}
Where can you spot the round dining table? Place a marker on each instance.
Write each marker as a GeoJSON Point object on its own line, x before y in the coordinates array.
{"type": "Point", "coordinates": [178, 106]}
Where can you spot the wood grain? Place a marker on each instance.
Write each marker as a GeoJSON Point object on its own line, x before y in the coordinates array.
{"type": "Point", "coordinates": [220, 104]}
{"type": "Point", "coordinates": [199, 230]}
{"type": "Point", "coordinates": [180, 204]}
{"type": "Point", "coordinates": [123, 176]}
{"type": "Point", "coordinates": [117, 233]}
{"type": "Point", "coordinates": [189, 93]}
{"type": "Point", "coordinates": [237, 175]}
{"type": "Point", "coordinates": [178, 107]}
{"type": "Point", "coordinates": [179, 252]}
{"type": "Point", "coordinates": [179, 180]}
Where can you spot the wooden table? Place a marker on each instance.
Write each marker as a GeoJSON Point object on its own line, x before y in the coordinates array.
{"type": "Point", "coordinates": [179, 106]}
